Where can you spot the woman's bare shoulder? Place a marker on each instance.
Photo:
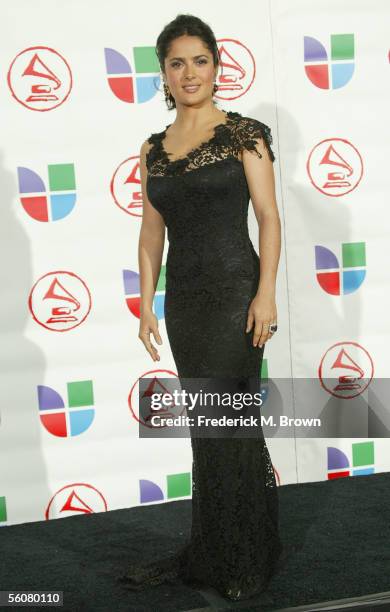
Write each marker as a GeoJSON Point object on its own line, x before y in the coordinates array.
{"type": "Point", "coordinates": [146, 146]}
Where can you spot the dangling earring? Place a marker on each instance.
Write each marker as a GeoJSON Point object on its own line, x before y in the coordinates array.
{"type": "Point", "coordinates": [169, 99]}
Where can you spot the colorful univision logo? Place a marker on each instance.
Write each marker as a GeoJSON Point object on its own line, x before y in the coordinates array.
{"type": "Point", "coordinates": [347, 278]}
{"type": "Point", "coordinates": [3, 512]}
{"type": "Point", "coordinates": [330, 72]}
{"type": "Point", "coordinates": [177, 485]}
{"type": "Point", "coordinates": [133, 297]}
{"type": "Point", "coordinates": [362, 461]}
{"type": "Point", "coordinates": [56, 204]}
{"type": "Point", "coordinates": [138, 84]}
{"type": "Point", "coordinates": [73, 419]}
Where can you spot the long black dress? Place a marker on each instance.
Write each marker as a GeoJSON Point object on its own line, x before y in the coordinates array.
{"type": "Point", "coordinates": [212, 274]}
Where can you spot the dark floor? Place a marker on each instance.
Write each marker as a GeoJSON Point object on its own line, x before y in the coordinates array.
{"type": "Point", "coordinates": [336, 534]}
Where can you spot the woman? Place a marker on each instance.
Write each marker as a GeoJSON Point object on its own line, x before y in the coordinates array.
{"type": "Point", "coordinates": [197, 177]}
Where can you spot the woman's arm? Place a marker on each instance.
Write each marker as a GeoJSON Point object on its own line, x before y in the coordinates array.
{"type": "Point", "coordinates": [261, 182]}
{"type": "Point", "coordinates": [150, 252]}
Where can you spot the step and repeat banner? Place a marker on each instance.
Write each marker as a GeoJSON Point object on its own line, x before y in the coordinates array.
{"type": "Point", "coordinates": [80, 91]}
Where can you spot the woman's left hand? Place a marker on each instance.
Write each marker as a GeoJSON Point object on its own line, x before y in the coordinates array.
{"type": "Point", "coordinates": [262, 312]}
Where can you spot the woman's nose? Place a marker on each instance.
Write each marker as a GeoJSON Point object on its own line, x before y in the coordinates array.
{"type": "Point", "coordinates": [189, 72]}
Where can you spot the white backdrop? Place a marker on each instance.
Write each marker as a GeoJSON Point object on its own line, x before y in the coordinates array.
{"type": "Point", "coordinates": [78, 98]}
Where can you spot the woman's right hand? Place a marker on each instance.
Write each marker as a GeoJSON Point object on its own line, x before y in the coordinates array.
{"type": "Point", "coordinates": [149, 324]}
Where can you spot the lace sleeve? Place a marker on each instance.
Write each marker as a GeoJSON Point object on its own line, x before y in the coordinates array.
{"type": "Point", "coordinates": [249, 131]}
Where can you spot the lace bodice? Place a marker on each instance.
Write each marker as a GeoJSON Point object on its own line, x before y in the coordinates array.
{"type": "Point", "coordinates": [229, 138]}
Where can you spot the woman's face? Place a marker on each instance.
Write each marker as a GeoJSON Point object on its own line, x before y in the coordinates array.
{"type": "Point", "coordinates": [189, 63]}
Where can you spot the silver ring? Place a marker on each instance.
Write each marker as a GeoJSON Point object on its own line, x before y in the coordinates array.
{"type": "Point", "coordinates": [273, 327]}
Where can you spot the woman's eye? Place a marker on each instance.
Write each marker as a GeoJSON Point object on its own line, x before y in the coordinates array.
{"type": "Point", "coordinates": [201, 61]}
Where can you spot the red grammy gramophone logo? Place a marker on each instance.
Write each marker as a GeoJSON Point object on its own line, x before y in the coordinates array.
{"type": "Point", "coordinates": [237, 69]}
{"type": "Point", "coordinates": [140, 406]}
{"type": "Point", "coordinates": [73, 499]}
{"type": "Point", "coordinates": [59, 301]}
{"type": "Point", "coordinates": [40, 78]}
{"type": "Point", "coordinates": [346, 370]}
{"type": "Point", "coordinates": [125, 186]}
{"type": "Point", "coordinates": [335, 167]}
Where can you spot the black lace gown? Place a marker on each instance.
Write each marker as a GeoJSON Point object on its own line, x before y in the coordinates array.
{"type": "Point", "coordinates": [212, 274]}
